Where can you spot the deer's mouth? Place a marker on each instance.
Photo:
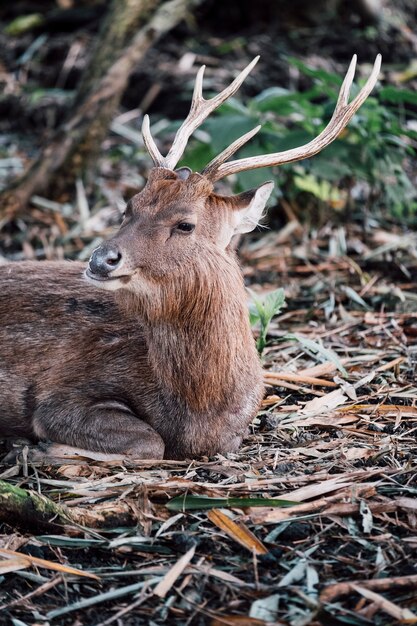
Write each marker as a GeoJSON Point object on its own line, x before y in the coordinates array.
{"type": "Point", "coordinates": [96, 278]}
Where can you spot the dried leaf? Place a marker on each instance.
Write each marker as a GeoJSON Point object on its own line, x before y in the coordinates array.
{"type": "Point", "coordinates": [403, 615]}
{"type": "Point", "coordinates": [318, 489]}
{"type": "Point", "coordinates": [352, 453]}
{"type": "Point", "coordinates": [366, 515]}
{"type": "Point", "coordinates": [174, 573]}
{"type": "Point", "coordinates": [237, 620]}
{"type": "Point", "coordinates": [14, 564]}
{"type": "Point", "coordinates": [295, 574]}
{"type": "Point", "coordinates": [237, 531]}
{"type": "Point", "coordinates": [322, 420]}
{"type": "Point", "coordinates": [113, 594]}
{"type": "Point", "coordinates": [324, 404]}
{"type": "Point", "coordinates": [265, 608]}
{"type": "Point", "coordinates": [297, 378]}
{"type": "Point", "coordinates": [48, 564]}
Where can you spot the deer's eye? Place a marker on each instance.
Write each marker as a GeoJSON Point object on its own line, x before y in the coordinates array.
{"type": "Point", "coordinates": [185, 227]}
{"type": "Point", "coordinates": [127, 211]}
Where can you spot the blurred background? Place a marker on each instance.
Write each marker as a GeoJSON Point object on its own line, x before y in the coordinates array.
{"type": "Point", "coordinates": [78, 76]}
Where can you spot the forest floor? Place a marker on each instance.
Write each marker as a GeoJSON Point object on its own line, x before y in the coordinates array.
{"type": "Point", "coordinates": [336, 436]}
{"type": "Point", "coordinates": [208, 541]}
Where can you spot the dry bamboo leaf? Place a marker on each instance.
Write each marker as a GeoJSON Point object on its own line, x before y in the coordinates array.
{"type": "Point", "coordinates": [347, 508]}
{"type": "Point", "coordinates": [14, 564]}
{"type": "Point", "coordinates": [322, 369]}
{"type": "Point", "coordinates": [411, 541]}
{"type": "Point", "coordinates": [238, 532]}
{"type": "Point", "coordinates": [271, 400]}
{"type": "Point", "coordinates": [173, 574]}
{"type": "Point", "coordinates": [405, 616]}
{"type": "Point", "coordinates": [323, 420]}
{"type": "Point", "coordinates": [322, 506]}
{"type": "Point", "coordinates": [318, 489]}
{"type": "Point", "coordinates": [297, 378]}
{"type": "Point", "coordinates": [324, 404]}
{"type": "Point", "coordinates": [59, 453]}
{"type": "Point", "coordinates": [390, 410]}
{"type": "Point", "coordinates": [57, 567]}
{"type": "Point", "coordinates": [391, 365]}
{"type": "Point", "coordinates": [217, 573]}
{"type": "Point", "coordinates": [296, 573]}
{"type": "Point", "coordinates": [407, 503]}
{"type": "Point", "coordinates": [380, 584]}
{"type": "Point", "coordinates": [366, 515]}
{"type": "Point", "coordinates": [265, 608]}
{"type": "Point", "coordinates": [352, 453]}
{"type": "Point", "coordinates": [238, 620]}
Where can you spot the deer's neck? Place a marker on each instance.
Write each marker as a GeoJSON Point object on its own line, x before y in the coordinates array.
{"type": "Point", "coordinates": [204, 354]}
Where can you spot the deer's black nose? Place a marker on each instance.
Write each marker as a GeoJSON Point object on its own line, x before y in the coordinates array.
{"type": "Point", "coordinates": [105, 259]}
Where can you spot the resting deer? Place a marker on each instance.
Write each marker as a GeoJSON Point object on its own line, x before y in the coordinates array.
{"type": "Point", "coordinates": [148, 352]}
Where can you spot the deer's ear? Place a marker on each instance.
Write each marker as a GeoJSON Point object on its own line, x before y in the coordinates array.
{"type": "Point", "coordinates": [249, 208]}
{"type": "Point", "coordinates": [183, 172]}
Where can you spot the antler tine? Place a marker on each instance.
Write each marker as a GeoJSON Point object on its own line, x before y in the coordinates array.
{"type": "Point", "coordinates": [200, 109]}
{"type": "Point", "coordinates": [198, 87]}
{"type": "Point", "coordinates": [369, 85]}
{"type": "Point", "coordinates": [343, 98]}
{"type": "Point", "coordinates": [229, 151]}
{"type": "Point", "coordinates": [340, 118]}
{"type": "Point", "coordinates": [150, 144]}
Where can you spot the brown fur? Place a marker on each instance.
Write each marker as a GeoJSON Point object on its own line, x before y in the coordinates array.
{"type": "Point", "coordinates": [163, 365]}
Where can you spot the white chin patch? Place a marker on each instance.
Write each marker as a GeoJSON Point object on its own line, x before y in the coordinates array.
{"type": "Point", "coordinates": [112, 284]}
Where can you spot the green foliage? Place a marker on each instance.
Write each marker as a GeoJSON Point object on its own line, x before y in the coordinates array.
{"type": "Point", "coordinates": [262, 310]}
{"type": "Point", "coordinates": [195, 503]}
{"type": "Point", "coordinates": [23, 24]}
{"type": "Point", "coordinates": [372, 149]}
{"type": "Point", "coordinates": [315, 349]}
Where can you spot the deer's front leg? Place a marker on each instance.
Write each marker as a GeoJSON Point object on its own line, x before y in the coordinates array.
{"type": "Point", "coordinates": [106, 427]}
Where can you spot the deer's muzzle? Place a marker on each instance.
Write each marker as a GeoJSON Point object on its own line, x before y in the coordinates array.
{"type": "Point", "coordinates": [105, 259]}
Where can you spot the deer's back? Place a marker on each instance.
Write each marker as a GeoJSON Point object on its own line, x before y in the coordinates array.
{"type": "Point", "coordinates": [48, 307]}
{"type": "Point", "coordinates": [57, 335]}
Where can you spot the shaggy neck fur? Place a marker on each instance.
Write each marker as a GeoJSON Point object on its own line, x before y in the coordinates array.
{"type": "Point", "coordinates": [200, 344]}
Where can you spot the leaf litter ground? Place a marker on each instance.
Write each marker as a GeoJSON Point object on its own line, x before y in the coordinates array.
{"type": "Point", "coordinates": [312, 522]}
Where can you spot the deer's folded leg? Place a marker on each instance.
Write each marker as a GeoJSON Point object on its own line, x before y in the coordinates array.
{"type": "Point", "coordinates": [106, 427]}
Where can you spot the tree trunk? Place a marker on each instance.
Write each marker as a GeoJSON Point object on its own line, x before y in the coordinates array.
{"type": "Point", "coordinates": [30, 511]}
{"type": "Point", "coordinates": [74, 146]}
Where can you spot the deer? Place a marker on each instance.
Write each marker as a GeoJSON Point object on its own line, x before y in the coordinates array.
{"type": "Point", "coordinates": [146, 352]}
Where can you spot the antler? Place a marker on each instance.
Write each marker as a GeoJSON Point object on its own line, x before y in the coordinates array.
{"type": "Point", "coordinates": [200, 109]}
{"type": "Point", "coordinates": [343, 112]}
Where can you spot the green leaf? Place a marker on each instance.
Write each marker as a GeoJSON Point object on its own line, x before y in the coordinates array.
{"type": "Point", "coordinates": [253, 315]}
{"type": "Point", "coordinates": [70, 542]}
{"type": "Point", "coordinates": [194, 503]}
{"type": "Point", "coordinates": [224, 132]}
{"type": "Point", "coordinates": [317, 348]}
{"type": "Point", "coordinates": [257, 301]}
{"type": "Point", "coordinates": [36, 95]}
{"type": "Point", "coordinates": [263, 310]}
{"type": "Point", "coordinates": [355, 297]}
{"type": "Point", "coordinates": [113, 594]}
{"type": "Point", "coordinates": [393, 94]}
{"type": "Point", "coordinates": [23, 24]}
{"type": "Point", "coordinates": [273, 302]}
{"type": "Point", "coordinates": [197, 156]}
{"type": "Point", "coordinates": [321, 189]}
{"type": "Point", "coordinates": [326, 77]}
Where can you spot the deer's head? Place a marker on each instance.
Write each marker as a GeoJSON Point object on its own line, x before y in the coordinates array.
{"type": "Point", "coordinates": [178, 222]}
